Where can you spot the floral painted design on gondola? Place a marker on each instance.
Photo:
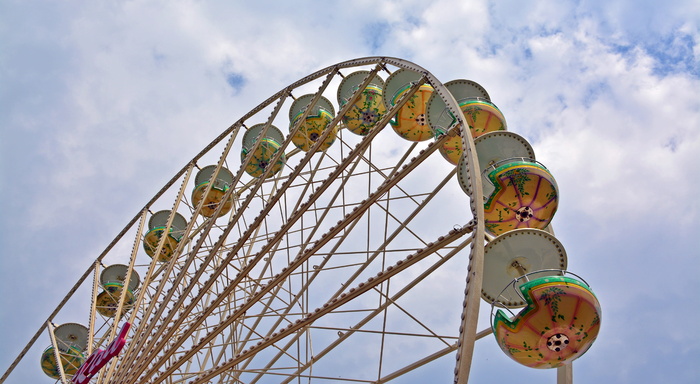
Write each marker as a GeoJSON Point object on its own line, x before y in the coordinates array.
{"type": "Point", "coordinates": [410, 121]}
{"type": "Point", "coordinates": [262, 157]}
{"type": "Point", "coordinates": [482, 117]}
{"type": "Point", "coordinates": [71, 360]}
{"type": "Point", "coordinates": [525, 196]}
{"type": "Point", "coordinates": [365, 112]}
{"type": "Point", "coordinates": [312, 129]}
{"type": "Point", "coordinates": [559, 324]}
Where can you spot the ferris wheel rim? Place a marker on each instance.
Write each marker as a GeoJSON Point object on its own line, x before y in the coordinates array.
{"type": "Point", "coordinates": [476, 208]}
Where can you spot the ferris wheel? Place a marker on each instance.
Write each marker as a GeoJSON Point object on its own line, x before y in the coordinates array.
{"type": "Point", "coordinates": [344, 230]}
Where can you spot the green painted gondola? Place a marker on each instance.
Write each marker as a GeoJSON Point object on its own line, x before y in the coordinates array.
{"type": "Point", "coordinates": [525, 195]}
{"type": "Point", "coordinates": [216, 194]}
{"type": "Point", "coordinates": [559, 324]}
{"type": "Point", "coordinates": [71, 359]}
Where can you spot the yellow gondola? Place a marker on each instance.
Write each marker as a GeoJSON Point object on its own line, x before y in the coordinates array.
{"type": "Point", "coordinates": [314, 125]}
{"type": "Point", "coordinates": [410, 122]}
{"type": "Point", "coordinates": [368, 109]}
{"type": "Point", "coordinates": [480, 114]}
{"type": "Point", "coordinates": [525, 195]}
{"type": "Point", "coordinates": [482, 117]}
{"type": "Point", "coordinates": [107, 302]}
{"type": "Point", "coordinates": [560, 323]}
{"type": "Point", "coordinates": [221, 185]}
{"type": "Point", "coordinates": [264, 151]}
{"type": "Point", "coordinates": [71, 359]}
{"type": "Point", "coordinates": [156, 229]}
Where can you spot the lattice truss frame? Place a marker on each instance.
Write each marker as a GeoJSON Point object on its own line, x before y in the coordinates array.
{"type": "Point", "coordinates": [348, 265]}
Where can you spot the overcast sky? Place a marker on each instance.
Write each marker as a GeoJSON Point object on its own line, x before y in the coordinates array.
{"type": "Point", "coordinates": [101, 102]}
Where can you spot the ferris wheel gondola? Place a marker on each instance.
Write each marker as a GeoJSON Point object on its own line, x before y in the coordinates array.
{"type": "Point", "coordinates": [476, 109]}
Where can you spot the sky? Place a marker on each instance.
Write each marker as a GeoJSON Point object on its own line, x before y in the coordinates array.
{"type": "Point", "coordinates": [102, 102]}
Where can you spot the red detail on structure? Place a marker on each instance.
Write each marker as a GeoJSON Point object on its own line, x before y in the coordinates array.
{"type": "Point", "coordinates": [101, 357]}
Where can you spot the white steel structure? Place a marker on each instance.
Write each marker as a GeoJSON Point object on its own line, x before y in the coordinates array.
{"type": "Point", "coordinates": [339, 267]}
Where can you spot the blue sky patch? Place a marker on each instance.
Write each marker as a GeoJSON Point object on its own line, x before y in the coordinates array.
{"type": "Point", "coordinates": [375, 35]}
{"type": "Point", "coordinates": [674, 54]}
{"type": "Point", "coordinates": [235, 80]}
